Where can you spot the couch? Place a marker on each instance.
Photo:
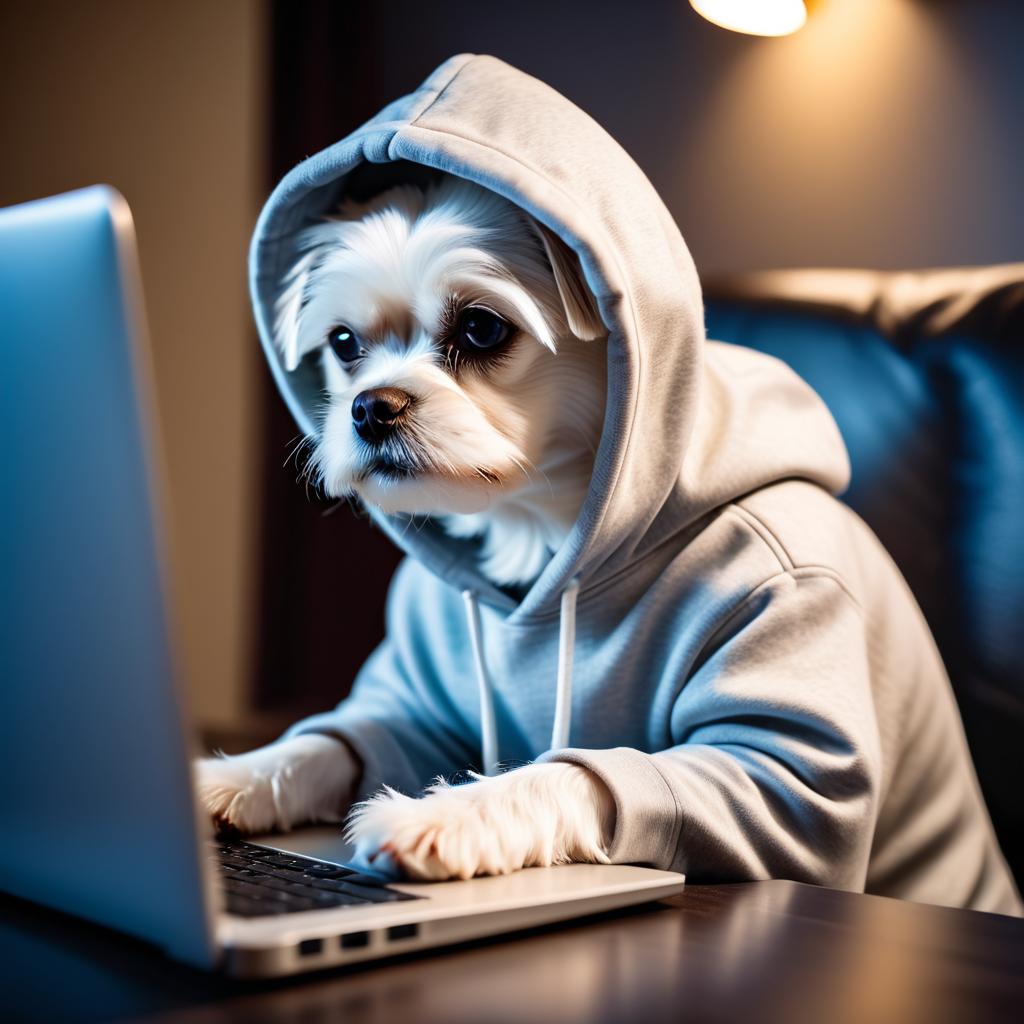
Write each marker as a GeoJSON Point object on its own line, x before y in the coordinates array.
{"type": "Point", "coordinates": [924, 373]}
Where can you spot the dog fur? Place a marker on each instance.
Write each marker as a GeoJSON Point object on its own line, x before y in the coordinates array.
{"type": "Point", "coordinates": [498, 446]}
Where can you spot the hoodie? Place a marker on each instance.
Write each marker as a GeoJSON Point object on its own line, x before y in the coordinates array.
{"type": "Point", "coordinates": [726, 645]}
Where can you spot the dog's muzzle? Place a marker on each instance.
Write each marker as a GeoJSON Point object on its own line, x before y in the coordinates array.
{"type": "Point", "coordinates": [376, 412]}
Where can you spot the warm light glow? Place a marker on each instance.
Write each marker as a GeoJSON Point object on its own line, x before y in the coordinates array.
{"type": "Point", "coordinates": [756, 17]}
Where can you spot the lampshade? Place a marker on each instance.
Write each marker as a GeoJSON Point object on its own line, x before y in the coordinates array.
{"type": "Point", "coordinates": [755, 17]}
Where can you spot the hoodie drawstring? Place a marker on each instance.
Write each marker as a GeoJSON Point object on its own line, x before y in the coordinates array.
{"type": "Point", "coordinates": [563, 686]}
{"type": "Point", "coordinates": [566, 648]}
{"type": "Point", "coordinates": [488, 727]}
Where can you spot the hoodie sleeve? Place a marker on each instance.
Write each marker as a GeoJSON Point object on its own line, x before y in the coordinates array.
{"type": "Point", "coordinates": [396, 718]}
{"type": "Point", "coordinates": [776, 762]}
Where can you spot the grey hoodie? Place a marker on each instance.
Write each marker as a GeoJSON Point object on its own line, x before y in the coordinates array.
{"type": "Point", "coordinates": [720, 640]}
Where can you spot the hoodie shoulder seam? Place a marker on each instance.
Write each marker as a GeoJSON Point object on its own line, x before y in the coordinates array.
{"type": "Point", "coordinates": [823, 572]}
{"type": "Point", "coordinates": [808, 572]}
{"type": "Point", "coordinates": [765, 533]}
{"type": "Point", "coordinates": [786, 561]}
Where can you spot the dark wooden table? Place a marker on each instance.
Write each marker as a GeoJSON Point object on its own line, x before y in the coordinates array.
{"type": "Point", "coordinates": [767, 951]}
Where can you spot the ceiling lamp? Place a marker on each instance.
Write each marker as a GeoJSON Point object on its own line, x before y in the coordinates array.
{"type": "Point", "coordinates": [755, 17]}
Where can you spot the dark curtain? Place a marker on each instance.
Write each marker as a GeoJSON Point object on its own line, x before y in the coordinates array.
{"type": "Point", "coordinates": [325, 571]}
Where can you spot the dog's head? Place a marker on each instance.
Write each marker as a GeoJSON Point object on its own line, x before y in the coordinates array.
{"type": "Point", "coordinates": [447, 321]}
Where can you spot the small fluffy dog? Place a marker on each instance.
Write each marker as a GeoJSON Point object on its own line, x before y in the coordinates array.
{"type": "Point", "coordinates": [464, 363]}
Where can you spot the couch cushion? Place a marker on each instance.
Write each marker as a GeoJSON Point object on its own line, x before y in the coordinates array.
{"type": "Point", "coordinates": [924, 373]}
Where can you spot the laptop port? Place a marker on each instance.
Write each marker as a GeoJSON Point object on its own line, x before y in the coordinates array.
{"type": "Point", "coordinates": [311, 947]}
{"type": "Point", "coordinates": [354, 940]}
{"type": "Point", "coordinates": [403, 931]}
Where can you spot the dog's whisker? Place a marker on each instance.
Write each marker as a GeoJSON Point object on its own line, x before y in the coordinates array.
{"type": "Point", "coordinates": [298, 445]}
{"type": "Point", "coordinates": [519, 464]}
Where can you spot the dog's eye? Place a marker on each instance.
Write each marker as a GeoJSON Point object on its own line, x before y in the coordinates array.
{"type": "Point", "coordinates": [344, 343]}
{"type": "Point", "coordinates": [479, 330]}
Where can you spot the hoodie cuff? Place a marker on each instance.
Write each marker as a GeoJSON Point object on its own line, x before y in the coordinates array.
{"type": "Point", "coordinates": [647, 819]}
{"type": "Point", "coordinates": [384, 761]}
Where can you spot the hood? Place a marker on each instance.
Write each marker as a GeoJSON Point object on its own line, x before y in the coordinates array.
{"type": "Point", "coordinates": [688, 426]}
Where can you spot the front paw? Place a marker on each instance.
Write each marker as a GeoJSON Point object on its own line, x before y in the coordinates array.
{"type": "Point", "coordinates": [534, 816]}
{"type": "Point", "coordinates": [235, 795]}
{"type": "Point", "coordinates": [303, 779]}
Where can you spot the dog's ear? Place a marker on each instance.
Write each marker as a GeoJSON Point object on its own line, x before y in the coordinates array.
{"type": "Point", "coordinates": [580, 306]}
{"type": "Point", "coordinates": [287, 310]}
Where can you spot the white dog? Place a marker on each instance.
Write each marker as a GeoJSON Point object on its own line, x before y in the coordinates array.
{"type": "Point", "coordinates": [748, 690]}
{"type": "Point", "coordinates": [465, 371]}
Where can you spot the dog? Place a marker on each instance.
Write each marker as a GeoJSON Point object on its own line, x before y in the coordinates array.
{"type": "Point", "coordinates": [463, 359]}
{"type": "Point", "coordinates": [630, 581]}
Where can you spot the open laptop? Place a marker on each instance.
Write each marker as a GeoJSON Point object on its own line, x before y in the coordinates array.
{"type": "Point", "coordinates": [98, 812]}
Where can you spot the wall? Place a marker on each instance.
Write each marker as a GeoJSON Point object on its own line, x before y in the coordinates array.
{"type": "Point", "coordinates": [886, 133]}
{"type": "Point", "coordinates": [164, 101]}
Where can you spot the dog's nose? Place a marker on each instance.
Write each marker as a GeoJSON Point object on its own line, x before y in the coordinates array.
{"type": "Point", "coordinates": [375, 412]}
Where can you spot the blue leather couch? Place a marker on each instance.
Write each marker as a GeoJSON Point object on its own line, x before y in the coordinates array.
{"type": "Point", "coordinates": [924, 373]}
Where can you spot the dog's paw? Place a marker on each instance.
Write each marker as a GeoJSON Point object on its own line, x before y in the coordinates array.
{"type": "Point", "coordinates": [235, 795]}
{"type": "Point", "coordinates": [303, 779]}
{"type": "Point", "coordinates": [534, 816]}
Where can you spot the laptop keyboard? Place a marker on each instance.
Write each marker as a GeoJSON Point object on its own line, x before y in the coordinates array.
{"type": "Point", "coordinates": [258, 881]}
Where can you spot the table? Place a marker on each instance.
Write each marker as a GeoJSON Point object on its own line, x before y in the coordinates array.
{"type": "Point", "coordinates": [763, 951]}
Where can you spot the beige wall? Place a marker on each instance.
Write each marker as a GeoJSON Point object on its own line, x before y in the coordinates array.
{"type": "Point", "coordinates": [163, 100]}
{"type": "Point", "coordinates": [886, 133]}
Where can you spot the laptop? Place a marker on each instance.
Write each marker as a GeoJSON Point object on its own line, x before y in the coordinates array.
{"type": "Point", "coordinates": [99, 814]}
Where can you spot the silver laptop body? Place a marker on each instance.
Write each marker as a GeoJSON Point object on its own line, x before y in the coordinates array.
{"type": "Point", "coordinates": [97, 804]}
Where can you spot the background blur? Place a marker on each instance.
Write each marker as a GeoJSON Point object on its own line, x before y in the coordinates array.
{"type": "Point", "coordinates": [887, 134]}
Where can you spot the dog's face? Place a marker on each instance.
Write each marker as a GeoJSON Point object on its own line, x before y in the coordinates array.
{"type": "Point", "coordinates": [445, 319]}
